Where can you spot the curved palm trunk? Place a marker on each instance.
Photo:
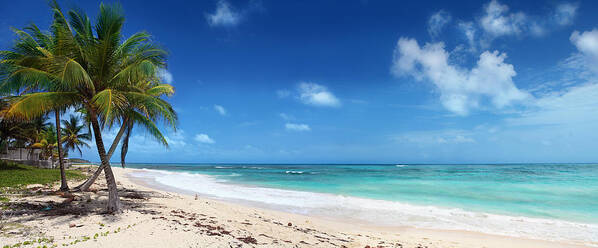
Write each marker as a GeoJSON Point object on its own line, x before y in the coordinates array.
{"type": "Point", "coordinates": [113, 205]}
{"type": "Point", "coordinates": [85, 185]}
{"type": "Point", "coordinates": [125, 145]}
{"type": "Point", "coordinates": [63, 184]}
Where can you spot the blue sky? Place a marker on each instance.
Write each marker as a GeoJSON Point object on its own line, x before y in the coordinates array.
{"type": "Point", "coordinates": [366, 81]}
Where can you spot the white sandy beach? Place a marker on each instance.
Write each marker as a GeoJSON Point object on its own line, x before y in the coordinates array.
{"type": "Point", "coordinates": [156, 216]}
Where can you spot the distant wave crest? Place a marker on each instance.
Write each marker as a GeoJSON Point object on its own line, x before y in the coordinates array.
{"type": "Point", "coordinates": [254, 167]}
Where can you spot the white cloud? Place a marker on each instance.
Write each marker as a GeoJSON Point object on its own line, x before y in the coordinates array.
{"type": "Point", "coordinates": [165, 75]}
{"type": "Point", "coordinates": [460, 89]}
{"type": "Point", "coordinates": [469, 31]}
{"type": "Point", "coordinates": [587, 44]}
{"type": "Point", "coordinates": [317, 95]}
{"type": "Point", "coordinates": [297, 127]}
{"type": "Point", "coordinates": [221, 110]}
{"type": "Point", "coordinates": [224, 15]}
{"type": "Point", "coordinates": [204, 138]}
{"type": "Point", "coordinates": [437, 22]}
{"type": "Point", "coordinates": [497, 21]}
{"type": "Point", "coordinates": [565, 13]}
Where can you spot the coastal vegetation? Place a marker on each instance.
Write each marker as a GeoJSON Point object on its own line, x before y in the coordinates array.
{"type": "Point", "coordinates": [17, 175]}
{"type": "Point", "coordinates": [111, 81]}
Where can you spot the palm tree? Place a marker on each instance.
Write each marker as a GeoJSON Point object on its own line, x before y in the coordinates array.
{"type": "Point", "coordinates": [152, 89]}
{"type": "Point", "coordinates": [45, 140]}
{"type": "Point", "coordinates": [91, 68]}
{"type": "Point", "coordinates": [63, 183]}
{"type": "Point", "coordinates": [141, 116]}
{"type": "Point", "coordinates": [32, 45]}
{"type": "Point", "coordinates": [73, 135]}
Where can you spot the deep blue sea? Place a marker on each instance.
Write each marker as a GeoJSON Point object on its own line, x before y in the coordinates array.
{"type": "Point", "coordinates": [554, 201]}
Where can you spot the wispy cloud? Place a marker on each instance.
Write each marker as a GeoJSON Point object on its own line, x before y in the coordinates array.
{"type": "Point", "coordinates": [283, 93]}
{"type": "Point", "coordinates": [437, 137]}
{"type": "Point", "coordinates": [437, 22]}
{"type": "Point", "coordinates": [573, 104]}
{"type": "Point", "coordinates": [311, 94]}
{"type": "Point", "coordinates": [224, 15]}
{"type": "Point", "coordinates": [221, 110]}
{"type": "Point", "coordinates": [286, 117]}
{"type": "Point", "coordinates": [498, 20]}
{"type": "Point", "coordinates": [204, 138]}
{"type": "Point", "coordinates": [470, 33]}
{"type": "Point", "coordinates": [565, 13]}
{"type": "Point", "coordinates": [317, 95]}
{"type": "Point", "coordinates": [297, 127]}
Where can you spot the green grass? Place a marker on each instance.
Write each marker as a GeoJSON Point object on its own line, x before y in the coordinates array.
{"type": "Point", "coordinates": [14, 175]}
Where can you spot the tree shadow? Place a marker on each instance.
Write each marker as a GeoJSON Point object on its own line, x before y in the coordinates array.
{"type": "Point", "coordinates": [76, 205]}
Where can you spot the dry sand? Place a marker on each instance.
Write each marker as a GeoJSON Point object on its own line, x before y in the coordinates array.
{"type": "Point", "coordinates": [154, 217]}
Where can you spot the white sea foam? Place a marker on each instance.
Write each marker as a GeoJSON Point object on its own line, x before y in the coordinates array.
{"type": "Point", "coordinates": [253, 167]}
{"type": "Point", "coordinates": [293, 172]}
{"type": "Point", "coordinates": [401, 165]}
{"type": "Point", "coordinates": [223, 167]}
{"type": "Point", "coordinates": [379, 212]}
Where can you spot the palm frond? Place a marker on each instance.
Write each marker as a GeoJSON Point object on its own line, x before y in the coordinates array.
{"type": "Point", "coordinates": [153, 107]}
{"type": "Point", "coordinates": [161, 89]}
{"type": "Point", "coordinates": [149, 126]}
{"type": "Point", "coordinates": [109, 103]}
{"type": "Point", "coordinates": [33, 105]}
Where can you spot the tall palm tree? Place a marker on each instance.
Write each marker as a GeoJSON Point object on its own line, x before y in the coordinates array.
{"type": "Point", "coordinates": [63, 183]}
{"type": "Point", "coordinates": [92, 68]}
{"type": "Point", "coordinates": [43, 44]}
{"type": "Point", "coordinates": [74, 137]}
{"type": "Point", "coordinates": [141, 114]}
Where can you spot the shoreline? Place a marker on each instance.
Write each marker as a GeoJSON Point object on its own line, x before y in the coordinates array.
{"type": "Point", "coordinates": [456, 238]}
{"type": "Point", "coordinates": [158, 216]}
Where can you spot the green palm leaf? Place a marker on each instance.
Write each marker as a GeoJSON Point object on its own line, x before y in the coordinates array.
{"type": "Point", "coordinates": [33, 105]}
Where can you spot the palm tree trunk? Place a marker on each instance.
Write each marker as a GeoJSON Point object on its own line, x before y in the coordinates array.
{"type": "Point", "coordinates": [63, 184]}
{"type": "Point", "coordinates": [113, 205]}
{"type": "Point", "coordinates": [124, 148]}
{"type": "Point", "coordinates": [85, 185]}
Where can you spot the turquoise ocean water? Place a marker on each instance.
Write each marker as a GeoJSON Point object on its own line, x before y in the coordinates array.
{"type": "Point", "coordinates": [546, 198]}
